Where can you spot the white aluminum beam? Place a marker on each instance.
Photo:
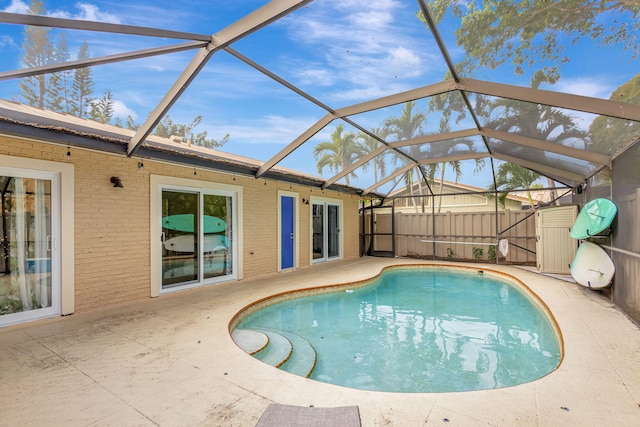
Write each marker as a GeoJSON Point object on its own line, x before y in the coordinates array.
{"type": "Point", "coordinates": [294, 144]}
{"type": "Point", "coordinates": [278, 79]}
{"type": "Point", "coordinates": [179, 86]}
{"type": "Point", "coordinates": [54, 68]}
{"type": "Point", "coordinates": [543, 169]}
{"type": "Point", "coordinates": [398, 98]}
{"type": "Point", "coordinates": [76, 24]}
{"type": "Point", "coordinates": [433, 27]}
{"type": "Point", "coordinates": [457, 157]}
{"type": "Point", "coordinates": [246, 25]}
{"type": "Point", "coordinates": [428, 139]}
{"type": "Point", "coordinates": [605, 107]}
{"type": "Point", "coordinates": [354, 166]}
{"type": "Point", "coordinates": [589, 156]}
{"type": "Point", "coordinates": [404, 143]}
{"type": "Point", "coordinates": [257, 19]}
{"type": "Point", "coordinates": [389, 178]}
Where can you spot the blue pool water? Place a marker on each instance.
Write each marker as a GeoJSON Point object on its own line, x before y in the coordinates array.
{"type": "Point", "coordinates": [422, 330]}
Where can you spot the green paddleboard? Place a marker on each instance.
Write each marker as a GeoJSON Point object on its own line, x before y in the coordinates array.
{"type": "Point", "coordinates": [594, 218]}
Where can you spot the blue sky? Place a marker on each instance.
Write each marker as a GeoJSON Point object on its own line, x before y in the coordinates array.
{"type": "Point", "coordinates": [340, 51]}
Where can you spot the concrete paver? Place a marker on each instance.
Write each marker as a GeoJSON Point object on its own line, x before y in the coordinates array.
{"type": "Point", "coordinates": [170, 361]}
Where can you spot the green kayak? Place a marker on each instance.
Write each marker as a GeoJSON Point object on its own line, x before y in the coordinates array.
{"type": "Point", "coordinates": [594, 218]}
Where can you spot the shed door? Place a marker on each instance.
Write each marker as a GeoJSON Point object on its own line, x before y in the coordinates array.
{"type": "Point", "coordinates": [554, 247]}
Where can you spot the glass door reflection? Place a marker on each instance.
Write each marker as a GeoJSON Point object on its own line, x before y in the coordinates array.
{"type": "Point", "coordinates": [180, 231]}
{"type": "Point", "coordinates": [26, 245]}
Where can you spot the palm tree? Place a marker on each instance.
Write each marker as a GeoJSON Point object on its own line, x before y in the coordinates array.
{"type": "Point", "coordinates": [535, 120]}
{"type": "Point", "coordinates": [510, 176]}
{"type": "Point", "coordinates": [342, 151]}
{"type": "Point", "coordinates": [407, 126]}
{"type": "Point", "coordinates": [369, 145]}
{"type": "Point", "coordinates": [447, 148]}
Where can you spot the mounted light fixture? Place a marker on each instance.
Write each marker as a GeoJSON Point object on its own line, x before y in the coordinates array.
{"type": "Point", "coordinates": [117, 183]}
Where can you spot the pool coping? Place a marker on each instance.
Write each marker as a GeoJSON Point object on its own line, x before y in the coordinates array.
{"type": "Point", "coordinates": [261, 303]}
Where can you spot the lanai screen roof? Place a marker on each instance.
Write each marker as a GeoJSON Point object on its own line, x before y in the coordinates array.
{"type": "Point", "coordinates": [365, 94]}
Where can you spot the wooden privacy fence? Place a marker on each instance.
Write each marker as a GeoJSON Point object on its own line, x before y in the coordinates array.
{"type": "Point", "coordinates": [466, 235]}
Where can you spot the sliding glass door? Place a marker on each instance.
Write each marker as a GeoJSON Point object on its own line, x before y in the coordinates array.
{"type": "Point", "coordinates": [196, 237]}
{"type": "Point", "coordinates": [325, 225]}
{"type": "Point", "coordinates": [29, 232]}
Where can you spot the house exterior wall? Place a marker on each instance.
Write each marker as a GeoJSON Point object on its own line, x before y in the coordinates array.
{"type": "Point", "coordinates": [621, 185]}
{"type": "Point", "coordinates": [112, 225]}
{"type": "Point", "coordinates": [454, 203]}
{"type": "Point", "coordinates": [625, 193]}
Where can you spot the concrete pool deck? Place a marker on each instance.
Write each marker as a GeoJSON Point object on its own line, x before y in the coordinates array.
{"type": "Point", "coordinates": [170, 361]}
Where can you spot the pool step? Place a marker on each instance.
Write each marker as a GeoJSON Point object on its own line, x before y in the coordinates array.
{"type": "Point", "coordinates": [277, 352]}
{"type": "Point", "coordinates": [249, 340]}
{"type": "Point", "coordinates": [284, 350]}
{"type": "Point", "coordinates": [303, 360]}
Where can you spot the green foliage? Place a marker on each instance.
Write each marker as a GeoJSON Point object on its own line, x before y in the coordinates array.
{"type": "Point", "coordinates": [346, 148]}
{"type": "Point", "coordinates": [527, 34]}
{"type": "Point", "coordinates": [167, 128]}
{"type": "Point", "coordinates": [477, 252]}
{"type": "Point", "coordinates": [446, 149]}
{"type": "Point", "coordinates": [216, 206]}
{"type": "Point", "coordinates": [531, 120]}
{"type": "Point", "coordinates": [608, 135]}
{"type": "Point", "coordinates": [101, 109]}
{"type": "Point", "coordinates": [491, 252]}
{"type": "Point", "coordinates": [82, 86]}
{"type": "Point", "coordinates": [450, 253]}
{"type": "Point", "coordinates": [531, 36]}
{"type": "Point", "coordinates": [129, 123]}
{"type": "Point", "coordinates": [10, 305]}
{"type": "Point", "coordinates": [53, 92]}
{"type": "Point", "coordinates": [407, 126]}
{"type": "Point", "coordinates": [57, 97]}
{"type": "Point", "coordinates": [512, 176]}
{"type": "Point", "coordinates": [37, 51]}
{"type": "Point", "coordinates": [342, 151]}
{"type": "Point", "coordinates": [369, 145]}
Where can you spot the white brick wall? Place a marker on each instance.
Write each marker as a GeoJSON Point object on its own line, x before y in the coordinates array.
{"type": "Point", "coordinates": [112, 232]}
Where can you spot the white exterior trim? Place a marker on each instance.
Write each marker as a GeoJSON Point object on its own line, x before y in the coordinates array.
{"type": "Point", "coordinates": [158, 182]}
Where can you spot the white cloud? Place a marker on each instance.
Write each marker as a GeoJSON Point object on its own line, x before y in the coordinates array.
{"type": "Point", "coordinates": [593, 87]}
{"type": "Point", "coordinates": [371, 47]}
{"type": "Point", "coordinates": [17, 6]}
{"type": "Point", "coordinates": [90, 12]}
{"type": "Point", "coordinates": [317, 76]}
{"type": "Point", "coordinates": [121, 110]}
{"type": "Point", "coordinates": [87, 12]}
{"type": "Point", "coordinates": [372, 19]}
{"type": "Point", "coordinates": [402, 58]}
{"type": "Point", "coordinates": [267, 129]}
{"type": "Point", "coordinates": [6, 41]}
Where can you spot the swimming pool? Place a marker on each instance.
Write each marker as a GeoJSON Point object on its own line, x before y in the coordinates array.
{"type": "Point", "coordinates": [412, 329]}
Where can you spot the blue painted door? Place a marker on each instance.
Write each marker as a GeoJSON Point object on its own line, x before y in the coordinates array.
{"type": "Point", "coordinates": [286, 232]}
